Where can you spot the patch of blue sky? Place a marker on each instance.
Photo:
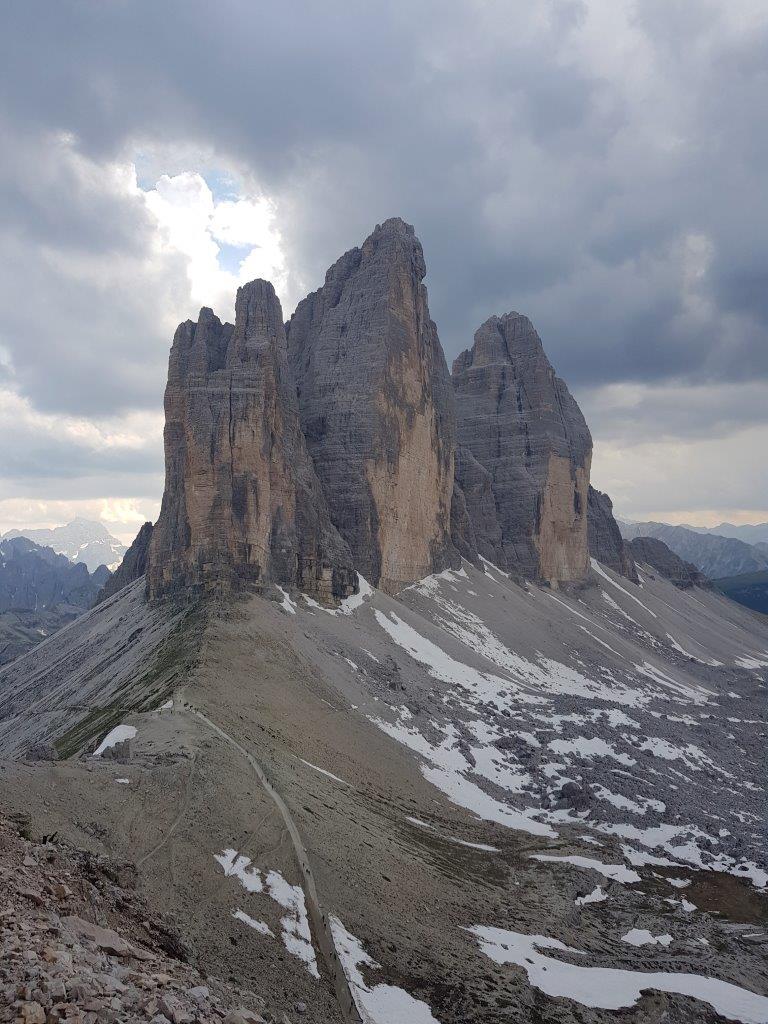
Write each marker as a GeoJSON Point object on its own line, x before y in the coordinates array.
{"type": "Point", "coordinates": [231, 256]}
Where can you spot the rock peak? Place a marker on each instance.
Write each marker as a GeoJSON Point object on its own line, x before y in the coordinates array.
{"type": "Point", "coordinates": [376, 407]}
{"type": "Point", "coordinates": [524, 454]}
{"type": "Point", "coordinates": [242, 504]}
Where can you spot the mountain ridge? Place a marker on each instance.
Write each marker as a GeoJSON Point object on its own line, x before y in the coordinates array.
{"type": "Point", "coordinates": [81, 540]}
{"type": "Point", "coordinates": [712, 554]}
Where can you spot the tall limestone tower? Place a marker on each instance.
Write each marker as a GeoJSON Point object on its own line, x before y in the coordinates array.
{"type": "Point", "coordinates": [242, 503]}
{"type": "Point", "coordinates": [523, 457]}
{"type": "Point", "coordinates": [376, 407]}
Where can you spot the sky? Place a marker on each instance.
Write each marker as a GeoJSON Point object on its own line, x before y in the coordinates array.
{"type": "Point", "coordinates": [596, 164]}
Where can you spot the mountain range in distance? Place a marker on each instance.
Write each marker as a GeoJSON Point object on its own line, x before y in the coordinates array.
{"type": "Point", "coordinates": [751, 533]}
{"type": "Point", "coordinates": [81, 540]}
{"type": "Point", "coordinates": [40, 592]}
{"type": "Point", "coordinates": [715, 553]}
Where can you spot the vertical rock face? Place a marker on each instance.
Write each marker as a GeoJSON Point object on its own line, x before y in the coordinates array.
{"type": "Point", "coordinates": [376, 408]}
{"type": "Point", "coordinates": [524, 452]}
{"type": "Point", "coordinates": [242, 503]}
{"type": "Point", "coordinates": [605, 541]}
{"type": "Point", "coordinates": [133, 565]}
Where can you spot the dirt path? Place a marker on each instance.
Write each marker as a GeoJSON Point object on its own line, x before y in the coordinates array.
{"type": "Point", "coordinates": [177, 819]}
{"type": "Point", "coordinates": [320, 925]}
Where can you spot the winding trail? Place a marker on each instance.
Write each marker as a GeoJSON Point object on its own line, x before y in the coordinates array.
{"type": "Point", "coordinates": [321, 928]}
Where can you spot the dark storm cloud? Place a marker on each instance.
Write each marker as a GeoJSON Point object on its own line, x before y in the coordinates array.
{"type": "Point", "coordinates": [608, 182]}
{"type": "Point", "coordinates": [470, 120]}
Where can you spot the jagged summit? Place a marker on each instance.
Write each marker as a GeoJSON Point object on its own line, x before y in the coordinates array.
{"type": "Point", "coordinates": [298, 453]}
{"type": "Point", "coordinates": [376, 407]}
{"type": "Point", "coordinates": [241, 503]}
{"type": "Point", "coordinates": [524, 453]}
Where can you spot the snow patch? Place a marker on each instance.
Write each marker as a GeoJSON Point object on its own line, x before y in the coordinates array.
{"type": "Point", "coordinates": [611, 988]}
{"type": "Point", "coordinates": [616, 872]}
{"type": "Point", "coordinates": [596, 896]}
{"type": "Point", "coordinates": [376, 1004]}
{"type": "Point", "coordinates": [287, 604]}
{"type": "Point", "coordinates": [324, 772]}
{"type": "Point", "coordinates": [115, 736]}
{"type": "Point", "coordinates": [259, 926]}
{"type": "Point", "coordinates": [642, 937]}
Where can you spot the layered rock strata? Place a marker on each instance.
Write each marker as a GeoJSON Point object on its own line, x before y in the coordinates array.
{"type": "Point", "coordinates": [376, 408]}
{"type": "Point", "coordinates": [605, 541]}
{"type": "Point", "coordinates": [242, 504]}
{"type": "Point", "coordinates": [524, 453]}
{"type": "Point", "coordinates": [655, 553]}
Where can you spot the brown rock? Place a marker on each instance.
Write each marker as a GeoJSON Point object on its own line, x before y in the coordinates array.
{"type": "Point", "coordinates": [32, 1013]}
{"type": "Point", "coordinates": [376, 407]}
{"type": "Point", "coordinates": [243, 1016]}
{"type": "Point", "coordinates": [242, 504]}
{"type": "Point", "coordinates": [104, 938]}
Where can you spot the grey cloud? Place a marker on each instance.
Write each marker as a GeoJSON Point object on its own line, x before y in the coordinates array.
{"type": "Point", "coordinates": [536, 181]}
{"type": "Point", "coordinates": [507, 156]}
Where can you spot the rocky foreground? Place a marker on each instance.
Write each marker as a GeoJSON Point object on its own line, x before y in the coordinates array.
{"type": "Point", "coordinates": [60, 960]}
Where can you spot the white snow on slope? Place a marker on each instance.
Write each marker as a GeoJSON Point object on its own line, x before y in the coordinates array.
{"type": "Point", "coordinates": [590, 746]}
{"type": "Point", "coordinates": [642, 937]}
{"type": "Point", "coordinates": [445, 767]}
{"type": "Point", "coordinates": [349, 604]}
{"type": "Point", "coordinates": [752, 663]}
{"type": "Point", "coordinates": [616, 872]}
{"type": "Point", "coordinates": [601, 572]}
{"type": "Point", "coordinates": [297, 936]}
{"type": "Point", "coordinates": [440, 664]}
{"type": "Point", "coordinates": [485, 847]}
{"type": "Point", "coordinates": [117, 735]}
{"type": "Point", "coordinates": [529, 690]}
{"type": "Point", "coordinates": [258, 926]}
{"type": "Point", "coordinates": [287, 604]}
{"type": "Point", "coordinates": [324, 772]}
{"type": "Point", "coordinates": [687, 654]}
{"type": "Point", "coordinates": [376, 1004]}
{"type": "Point", "coordinates": [607, 987]}
{"type": "Point", "coordinates": [596, 896]}
{"type": "Point", "coordinates": [237, 866]}
{"type": "Point", "coordinates": [296, 933]}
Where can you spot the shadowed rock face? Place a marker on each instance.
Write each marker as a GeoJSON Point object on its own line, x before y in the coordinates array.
{"type": "Point", "coordinates": [133, 565]}
{"type": "Point", "coordinates": [655, 553]}
{"type": "Point", "coordinates": [242, 504]}
{"type": "Point", "coordinates": [524, 452]}
{"type": "Point", "coordinates": [376, 408]}
{"type": "Point", "coordinates": [605, 541]}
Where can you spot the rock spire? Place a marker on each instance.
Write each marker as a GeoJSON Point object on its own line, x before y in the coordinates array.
{"type": "Point", "coordinates": [524, 453]}
{"type": "Point", "coordinates": [242, 503]}
{"type": "Point", "coordinates": [376, 408]}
